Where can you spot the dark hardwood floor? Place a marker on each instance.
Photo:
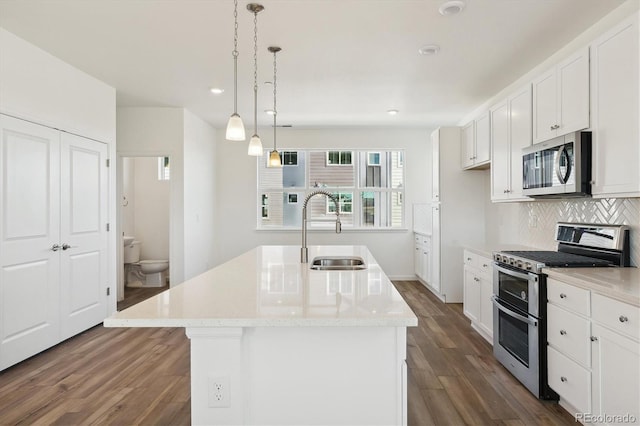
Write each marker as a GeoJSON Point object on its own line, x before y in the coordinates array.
{"type": "Point", "coordinates": [108, 376]}
{"type": "Point", "coordinates": [137, 295]}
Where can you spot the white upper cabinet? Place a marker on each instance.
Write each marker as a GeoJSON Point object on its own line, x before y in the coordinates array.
{"type": "Point", "coordinates": [615, 107]}
{"type": "Point", "coordinates": [510, 133]}
{"type": "Point", "coordinates": [483, 139]}
{"type": "Point", "coordinates": [561, 98]}
{"type": "Point", "coordinates": [468, 142]}
{"type": "Point", "coordinates": [435, 167]}
{"type": "Point", "coordinates": [476, 143]}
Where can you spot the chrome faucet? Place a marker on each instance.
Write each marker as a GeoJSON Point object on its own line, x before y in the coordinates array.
{"type": "Point", "coordinates": [304, 252]}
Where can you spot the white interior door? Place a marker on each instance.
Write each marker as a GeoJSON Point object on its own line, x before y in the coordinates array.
{"type": "Point", "coordinates": [83, 234]}
{"type": "Point", "coordinates": [29, 229]}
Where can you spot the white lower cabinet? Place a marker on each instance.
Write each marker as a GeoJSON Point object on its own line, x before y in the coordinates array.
{"type": "Point", "coordinates": [593, 354]}
{"type": "Point", "coordinates": [478, 289]}
{"type": "Point", "coordinates": [615, 376]}
{"type": "Point", "coordinates": [421, 257]}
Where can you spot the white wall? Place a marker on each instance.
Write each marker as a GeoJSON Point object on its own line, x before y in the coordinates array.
{"type": "Point", "coordinates": [236, 189]}
{"type": "Point", "coordinates": [36, 86]}
{"type": "Point", "coordinates": [128, 198]}
{"type": "Point", "coordinates": [199, 195]}
{"type": "Point", "coordinates": [152, 203]}
{"type": "Point", "coordinates": [158, 132]}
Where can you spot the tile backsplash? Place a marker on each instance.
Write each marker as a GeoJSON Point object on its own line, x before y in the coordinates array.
{"type": "Point", "coordinates": [538, 219]}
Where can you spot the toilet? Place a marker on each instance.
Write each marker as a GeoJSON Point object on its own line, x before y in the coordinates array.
{"type": "Point", "coordinates": [143, 273]}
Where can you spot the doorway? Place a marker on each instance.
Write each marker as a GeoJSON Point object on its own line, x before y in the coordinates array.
{"type": "Point", "coordinates": [145, 199]}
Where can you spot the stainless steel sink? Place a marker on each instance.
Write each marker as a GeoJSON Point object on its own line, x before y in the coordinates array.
{"type": "Point", "coordinates": [338, 263]}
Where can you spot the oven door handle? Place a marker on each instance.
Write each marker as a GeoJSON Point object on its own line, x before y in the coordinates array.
{"type": "Point", "coordinates": [525, 276]}
{"type": "Point", "coordinates": [512, 314]}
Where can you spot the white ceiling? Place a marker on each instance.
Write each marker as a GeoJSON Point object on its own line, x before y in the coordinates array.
{"type": "Point", "coordinates": [343, 62]}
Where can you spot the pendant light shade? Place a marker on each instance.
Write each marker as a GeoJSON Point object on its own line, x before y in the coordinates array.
{"type": "Point", "coordinates": [235, 126]}
{"type": "Point", "coordinates": [274, 159]}
{"type": "Point", "coordinates": [274, 156]}
{"type": "Point", "coordinates": [255, 144]}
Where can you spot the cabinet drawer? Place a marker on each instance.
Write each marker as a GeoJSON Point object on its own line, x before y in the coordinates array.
{"type": "Point", "coordinates": [573, 298]}
{"type": "Point", "coordinates": [570, 334]}
{"type": "Point", "coordinates": [484, 264]}
{"type": "Point", "coordinates": [571, 381]}
{"type": "Point", "coordinates": [620, 316]}
{"type": "Point", "coordinates": [471, 259]}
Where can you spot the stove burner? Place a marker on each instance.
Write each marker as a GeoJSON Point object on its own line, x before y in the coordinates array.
{"type": "Point", "coordinates": [556, 258]}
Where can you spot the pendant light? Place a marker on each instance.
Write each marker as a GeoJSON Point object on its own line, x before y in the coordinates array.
{"type": "Point", "coordinates": [235, 127]}
{"type": "Point", "coordinates": [274, 156]}
{"type": "Point", "coordinates": [255, 144]}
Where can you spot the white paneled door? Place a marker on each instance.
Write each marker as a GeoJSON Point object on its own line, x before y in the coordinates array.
{"type": "Point", "coordinates": [83, 235]}
{"type": "Point", "coordinates": [53, 240]}
{"type": "Point", "coordinates": [29, 281]}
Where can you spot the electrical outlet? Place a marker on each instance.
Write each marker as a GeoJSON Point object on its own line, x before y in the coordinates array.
{"type": "Point", "coordinates": [219, 391]}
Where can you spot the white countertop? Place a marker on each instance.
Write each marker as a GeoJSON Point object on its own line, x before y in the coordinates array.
{"type": "Point", "coordinates": [622, 284]}
{"type": "Point", "coordinates": [269, 287]}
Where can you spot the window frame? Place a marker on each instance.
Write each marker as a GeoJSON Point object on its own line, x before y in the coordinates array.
{"type": "Point", "coordinates": [282, 158]}
{"type": "Point", "coordinates": [378, 153]}
{"type": "Point", "coordinates": [388, 215]}
{"type": "Point", "coordinates": [329, 203]}
{"type": "Point", "coordinates": [339, 163]}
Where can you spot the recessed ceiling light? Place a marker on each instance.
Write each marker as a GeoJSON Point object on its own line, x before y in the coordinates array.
{"type": "Point", "coordinates": [392, 112]}
{"type": "Point", "coordinates": [217, 91]}
{"type": "Point", "coordinates": [451, 7]}
{"type": "Point", "coordinates": [430, 49]}
{"type": "Point", "coordinates": [269, 111]}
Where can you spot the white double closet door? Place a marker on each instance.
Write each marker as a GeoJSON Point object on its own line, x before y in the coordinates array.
{"type": "Point", "coordinates": [53, 247]}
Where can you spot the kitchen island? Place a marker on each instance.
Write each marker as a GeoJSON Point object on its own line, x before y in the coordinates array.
{"type": "Point", "coordinates": [274, 342]}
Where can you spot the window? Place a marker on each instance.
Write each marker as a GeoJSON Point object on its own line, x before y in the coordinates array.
{"type": "Point", "coordinates": [289, 158]}
{"type": "Point", "coordinates": [163, 168]}
{"type": "Point", "coordinates": [369, 195]}
{"type": "Point", "coordinates": [345, 202]}
{"type": "Point", "coordinates": [265, 206]}
{"type": "Point", "coordinates": [339, 158]}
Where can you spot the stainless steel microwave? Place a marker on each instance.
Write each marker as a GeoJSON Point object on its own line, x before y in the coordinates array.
{"type": "Point", "coordinates": [559, 167]}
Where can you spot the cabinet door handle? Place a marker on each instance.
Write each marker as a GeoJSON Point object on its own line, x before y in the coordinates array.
{"type": "Point", "coordinates": [563, 379]}
{"type": "Point", "coordinates": [468, 258]}
{"type": "Point", "coordinates": [623, 318]}
{"type": "Point", "coordinates": [563, 332]}
{"type": "Point", "coordinates": [476, 279]}
{"type": "Point", "coordinates": [594, 338]}
{"type": "Point", "coordinates": [484, 265]}
{"type": "Point", "coordinates": [563, 296]}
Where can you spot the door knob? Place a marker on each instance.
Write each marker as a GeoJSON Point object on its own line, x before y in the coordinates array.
{"type": "Point", "coordinates": [55, 247]}
{"type": "Point", "coordinates": [66, 246]}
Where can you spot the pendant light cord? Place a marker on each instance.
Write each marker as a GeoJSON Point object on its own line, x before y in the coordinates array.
{"type": "Point", "coordinates": [255, 73]}
{"type": "Point", "coordinates": [235, 57]}
{"type": "Point", "coordinates": [275, 88]}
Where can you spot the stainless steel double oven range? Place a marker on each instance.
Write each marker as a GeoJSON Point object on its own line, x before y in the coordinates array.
{"type": "Point", "coordinates": [520, 295]}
